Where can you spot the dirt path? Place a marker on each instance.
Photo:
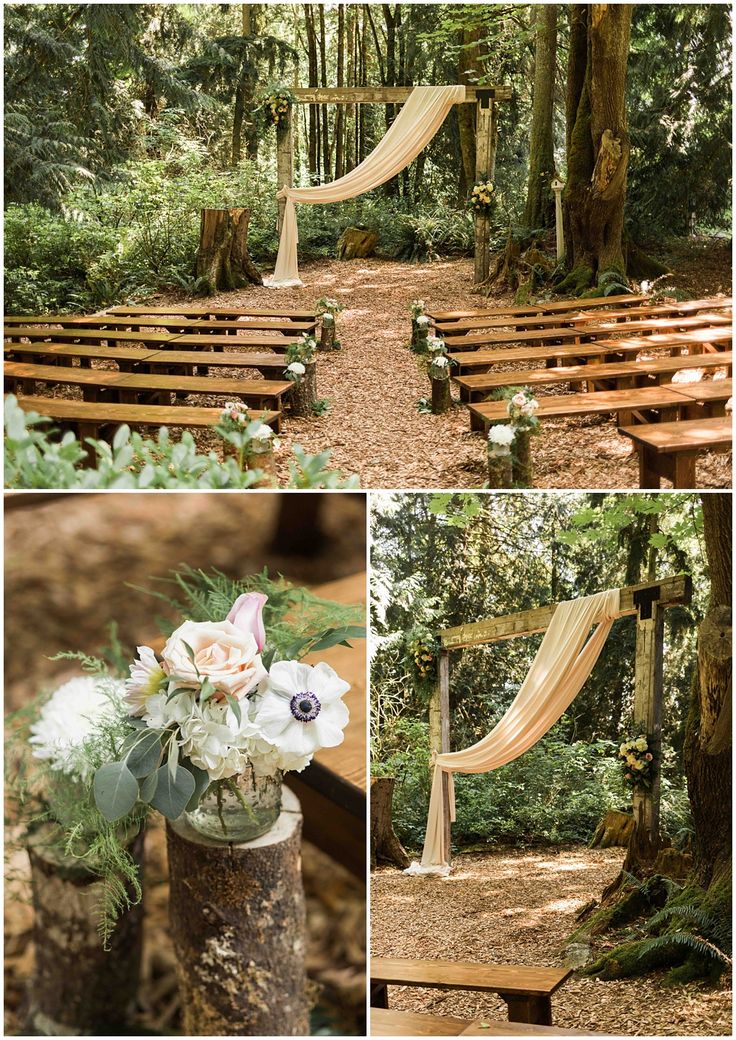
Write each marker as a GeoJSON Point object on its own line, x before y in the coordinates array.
{"type": "Point", "coordinates": [519, 907]}
{"type": "Point", "coordinates": [374, 383]}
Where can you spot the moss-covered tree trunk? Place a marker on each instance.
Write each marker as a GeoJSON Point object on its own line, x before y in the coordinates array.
{"type": "Point", "coordinates": [598, 143]}
{"type": "Point", "coordinates": [540, 207]}
{"type": "Point", "coordinates": [223, 260]}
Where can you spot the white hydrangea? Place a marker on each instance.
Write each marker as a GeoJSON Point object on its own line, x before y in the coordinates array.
{"type": "Point", "coordinates": [296, 368]}
{"type": "Point", "coordinates": [501, 436]}
{"type": "Point", "coordinates": [263, 433]}
{"type": "Point", "coordinates": [73, 713]}
{"type": "Point", "coordinates": [435, 344]}
{"type": "Point", "coordinates": [422, 320]}
{"type": "Point", "coordinates": [213, 739]}
{"type": "Point", "coordinates": [441, 361]}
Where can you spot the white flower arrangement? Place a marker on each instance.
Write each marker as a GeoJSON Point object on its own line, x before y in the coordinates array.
{"type": "Point", "coordinates": [482, 197]}
{"type": "Point", "coordinates": [637, 761]}
{"type": "Point", "coordinates": [436, 345]}
{"type": "Point", "coordinates": [416, 309]}
{"type": "Point", "coordinates": [207, 708]}
{"type": "Point", "coordinates": [439, 367]}
{"type": "Point", "coordinates": [298, 356]}
{"type": "Point", "coordinates": [74, 713]}
{"type": "Point", "coordinates": [295, 370]}
{"type": "Point", "coordinates": [422, 321]}
{"type": "Point", "coordinates": [522, 408]}
{"type": "Point", "coordinates": [500, 438]}
{"type": "Point", "coordinates": [277, 107]}
{"type": "Point", "coordinates": [235, 412]}
{"type": "Point", "coordinates": [328, 306]}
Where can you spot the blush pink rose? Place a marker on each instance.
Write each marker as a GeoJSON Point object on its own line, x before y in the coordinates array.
{"type": "Point", "coordinates": [246, 614]}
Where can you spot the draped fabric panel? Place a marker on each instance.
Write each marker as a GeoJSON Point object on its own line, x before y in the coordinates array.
{"type": "Point", "coordinates": [557, 674]}
{"type": "Point", "coordinates": [414, 127]}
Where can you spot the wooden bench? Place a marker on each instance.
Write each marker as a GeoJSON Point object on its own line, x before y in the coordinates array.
{"type": "Point", "coordinates": [130, 387]}
{"type": "Point", "coordinates": [387, 1022]}
{"type": "Point", "coordinates": [670, 450]}
{"type": "Point", "coordinates": [129, 359]}
{"type": "Point", "coordinates": [526, 991]}
{"type": "Point", "coordinates": [89, 417]}
{"type": "Point", "coordinates": [213, 313]}
{"type": "Point", "coordinates": [613, 376]}
{"type": "Point", "coordinates": [275, 341]}
{"type": "Point", "coordinates": [164, 321]}
{"type": "Point", "coordinates": [629, 405]}
{"type": "Point", "coordinates": [582, 333]}
{"type": "Point", "coordinates": [243, 341]}
{"type": "Point", "coordinates": [543, 307]}
{"type": "Point", "coordinates": [697, 341]}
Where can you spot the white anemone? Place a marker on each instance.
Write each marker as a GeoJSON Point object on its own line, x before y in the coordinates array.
{"type": "Point", "coordinates": [299, 708]}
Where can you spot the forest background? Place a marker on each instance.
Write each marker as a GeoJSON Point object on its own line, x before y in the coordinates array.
{"type": "Point", "coordinates": [123, 121]}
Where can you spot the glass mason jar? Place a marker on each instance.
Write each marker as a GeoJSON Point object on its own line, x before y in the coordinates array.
{"type": "Point", "coordinates": [238, 809]}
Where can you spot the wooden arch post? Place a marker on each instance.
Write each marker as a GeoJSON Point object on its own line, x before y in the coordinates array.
{"type": "Point", "coordinates": [486, 132]}
{"type": "Point", "coordinates": [284, 159]}
{"type": "Point", "coordinates": [648, 602]}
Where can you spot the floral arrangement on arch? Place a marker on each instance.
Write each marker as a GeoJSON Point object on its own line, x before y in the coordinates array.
{"type": "Point", "coordinates": [423, 649]}
{"type": "Point", "coordinates": [298, 356]}
{"type": "Point", "coordinates": [637, 760]}
{"type": "Point", "coordinates": [483, 198]}
{"type": "Point", "coordinates": [277, 105]}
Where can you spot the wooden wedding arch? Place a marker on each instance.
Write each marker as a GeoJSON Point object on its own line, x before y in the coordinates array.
{"type": "Point", "coordinates": [648, 603]}
{"type": "Point", "coordinates": [485, 99]}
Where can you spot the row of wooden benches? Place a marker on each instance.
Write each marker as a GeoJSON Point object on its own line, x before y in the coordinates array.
{"type": "Point", "coordinates": [161, 367]}
{"type": "Point", "coordinates": [580, 354]}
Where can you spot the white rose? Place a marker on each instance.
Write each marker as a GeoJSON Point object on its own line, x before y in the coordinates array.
{"type": "Point", "coordinates": [641, 744]}
{"type": "Point", "coordinates": [519, 399]}
{"type": "Point", "coordinates": [226, 655]}
{"type": "Point", "coordinates": [296, 368]}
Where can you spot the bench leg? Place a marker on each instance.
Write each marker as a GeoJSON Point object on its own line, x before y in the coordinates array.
{"type": "Point", "coordinates": [534, 1010]}
{"type": "Point", "coordinates": [683, 471]}
{"type": "Point", "coordinates": [649, 471]}
{"type": "Point", "coordinates": [379, 995]}
{"type": "Point", "coordinates": [476, 423]}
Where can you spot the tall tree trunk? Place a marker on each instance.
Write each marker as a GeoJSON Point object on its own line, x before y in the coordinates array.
{"type": "Point", "coordinates": [598, 153]}
{"type": "Point", "coordinates": [326, 157]}
{"type": "Point", "coordinates": [708, 730]}
{"type": "Point", "coordinates": [539, 210]}
{"type": "Point", "coordinates": [340, 117]}
{"type": "Point", "coordinates": [313, 137]}
{"type": "Point", "coordinates": [363, 39]}
{"type": "Point", "coordinates": [392, 20]}
{"type": "Point", "coordinates": [350, 113]}
{"type": "Point", "coordinates": [469, 70]}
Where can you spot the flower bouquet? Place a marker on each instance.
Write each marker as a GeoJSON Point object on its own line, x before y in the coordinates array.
{"type": "Point", "coordinates": [328, 309]}
{"type": "Point", "coordinates": [301, 371]}
{"type": "Point", "coordinates": [483, 198]}
{"type": "Point", "coordinates": [522, 407]}
{"type": "Point", "coordinates": [211, 728]}
{"type": "Point", "coordinates": [276, 107]}
{"type": "Point", "coordinates": [500, 465]}
{"type": "Point", "coordinates": [637, 761]}
{"type": "Point", "coordinates": [250, 440]}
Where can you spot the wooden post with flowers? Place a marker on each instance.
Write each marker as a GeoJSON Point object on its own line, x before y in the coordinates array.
{"type": "Point", "coordinates": [485, 164]}
{"type": "Point", "coordinates": [284, 156]}
{"type": "Point", "coordinates": [301, 370]}
{"type": "Point", "coordinates": [439, 377]}
{"type": "Point", "coordinates": [648, 696]}
{"type": "Point", "coordinates": [328, 309]}
{"type": "Point", "coordinates": [238, 924]}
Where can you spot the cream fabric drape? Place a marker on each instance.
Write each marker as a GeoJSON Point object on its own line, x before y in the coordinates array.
{"type": "Point", "coordinates": [557, 674]}
{"type": "Point", "coordinates": [414, 127]}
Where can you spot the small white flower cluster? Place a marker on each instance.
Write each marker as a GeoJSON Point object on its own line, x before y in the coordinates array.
{"type": "Point", "coordinates": [330, 306]}
{"type": "Point", "coordinates": [237, 412]}
{"type": "Point", "coordinates": [225, 709]}
{"type": "Point", "coordinates": [74, 714]}
{"type": "Point", "coordinates": [436, 345]}
{"type": "Point", "coordinates": [501, 437]}
{"type": "Point", "coordinates": [416, 308]}
{"type": "Point", "coordinates": [481, 197]}
{"type": "Point", "coordinates": [296, 369]}
{"type": "Point", "coordinates": [422, 321]}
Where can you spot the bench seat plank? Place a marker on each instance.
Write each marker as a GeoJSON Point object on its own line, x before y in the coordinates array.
{"type": "Point", "coordinates": [544, 307]}
{"type": "Point", "coordinates": [245, 340]}
{"type": "Point", "coordinates": [85, 335]}
{"type": "Point", "coordinates": [90, 413]}
{"type": "Point", "coordinates": [662, 310]}
{"type": "Point", "coordinates": [473, 387]}
{"type": "Point", "coordinates": [698, 339]}
{"type": "Point", "coordinates": [198, 311]}
{"type": "Point", "coordinates": [670, 450]}
{"type": "Point", "coordinates": [581, 333]}
{"type": "Point", "coordinates": [132, 356]}
{"type": "Point", "coordinates": [163, 321]}
{"type": "Point", "coordinates": [387, 1022]}
{"type": "Point", "coordinates": [495, 978]}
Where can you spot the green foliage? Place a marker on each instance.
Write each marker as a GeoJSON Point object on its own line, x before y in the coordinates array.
{"type": "Point", "coordinates": [36, 458]}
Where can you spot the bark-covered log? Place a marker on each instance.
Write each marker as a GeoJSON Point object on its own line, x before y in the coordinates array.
{"type": "Point", "coordinates": [223, 260]}
{"type": "Point", "coordinates": [262, 457]}
{"type": "Point", "coordinates": [304, 392]}
{"type": "Point", "coordinates": [523, 470]}
{"type": "Point", "coordinates": [78, 988]}
{"type": "Point", "coordinates": [441, 399]}
{"type": "Point", "coordinates": [355, 242]}
{"type": "Point", "coordinates": [327, 340]}
{"type": "Point", "coordinates": [385, 846]}
{"type": "Point", "coordinates": [614, 829]}
{"type": "Point", "coordinates": [500, 470]}
{"type": "Point", "coordinates": [237, 918]}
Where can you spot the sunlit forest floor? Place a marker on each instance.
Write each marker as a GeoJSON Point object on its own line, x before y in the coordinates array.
{"type": "Point", "coordinates": [69, 564]}
{"type": "Point", "coordinates": [374, 383]}
{"type": "Point", "coordinates": [519, 907]}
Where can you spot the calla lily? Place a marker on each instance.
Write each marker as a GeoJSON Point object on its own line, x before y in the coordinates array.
{"type": "Point", "coordinates": [246, 614]}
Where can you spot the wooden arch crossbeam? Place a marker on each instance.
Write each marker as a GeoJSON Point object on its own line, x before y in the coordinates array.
{"type": "Point", "coordinates": [648, 602]}
{"type": "Point", "coordinates": [486, 135]}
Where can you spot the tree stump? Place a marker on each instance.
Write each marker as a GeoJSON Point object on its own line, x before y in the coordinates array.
{"type": "Point", "coordinates": [614, 829]}
{"type": "Point", "coordinates": [262, 457]}
{"type": "Point", "coordinates": [523, 473]}
{"type": "Point", "coordinates": [385, 846]}
{"type": "Point", "coordinates": [419, 336]}
{"type": "Point", "coordinates": [327, 340]}
{"type": "Point", "coordinates": [500, 470]}
{"type": "Point", "coordinates": [238, 925]}
{"type": "Point", "coordinates": [355, 242]}
{"type": "Point", "coordinates": [223, 260]}
{"type": "Point", "coordinates": [78, 988]}
{"type": "Point", "coordinates": [304, 392]}
{"type": "Point", "coordinates": [441, 399]}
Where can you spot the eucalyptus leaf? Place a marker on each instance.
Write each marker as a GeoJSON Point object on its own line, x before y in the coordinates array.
{"type": "Point", "coordinates": [148, 787]}
{"type": "Point", "coordinates": [172, 795]}
{"type": "Point", "coordinates": [143, 756]}
{"type": "Point", "coordinates": [201, 783]}
{"type": "Point", "coordinates": [115, 790]}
